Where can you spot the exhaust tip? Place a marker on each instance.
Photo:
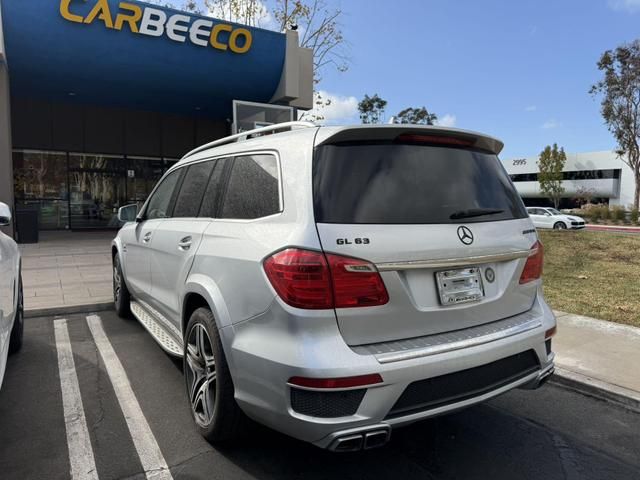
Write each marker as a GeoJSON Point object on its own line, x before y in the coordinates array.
{"type": "Point", "coordinates": [350, 443]}
{"type": "Point", "coordinates": [363, 440]}
{"type": "Point", "coordinates": [376, 439]}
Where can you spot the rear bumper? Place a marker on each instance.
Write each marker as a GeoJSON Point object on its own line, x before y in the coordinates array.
{"type": "Point", "coordinates": [265, 352]}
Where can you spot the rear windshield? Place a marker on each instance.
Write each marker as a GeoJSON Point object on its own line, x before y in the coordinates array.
{"type": "Point", "coordinates": [411, 184]}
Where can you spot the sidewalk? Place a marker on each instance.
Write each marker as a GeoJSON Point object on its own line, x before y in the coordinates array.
{"type": "Point", "coordinates": [599, 355]}
{"type": "Point", "coordinates": [67, 270]}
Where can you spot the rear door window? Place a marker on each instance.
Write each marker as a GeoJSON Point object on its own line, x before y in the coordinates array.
{"type": "Point", "coordinates": [253, 189]}
{"type": "Point", "coordinates": [390, 183]}
{"type": "Point", "coordinates": [192, 190]}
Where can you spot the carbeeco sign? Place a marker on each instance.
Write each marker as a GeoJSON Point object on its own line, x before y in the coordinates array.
{"type": "Point", "coordinates": [156, 23]}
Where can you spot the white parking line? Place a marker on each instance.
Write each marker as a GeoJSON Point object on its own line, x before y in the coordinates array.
{"type": "Point", "coordinates": [153, 462]}
{"type": "Point", "coordinates": [83, 465]}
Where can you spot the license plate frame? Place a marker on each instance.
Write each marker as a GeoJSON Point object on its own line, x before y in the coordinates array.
{"type": "Point", "coordinates": [459, 286]}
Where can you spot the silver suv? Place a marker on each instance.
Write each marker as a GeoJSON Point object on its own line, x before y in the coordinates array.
{"type": "Point", "coordinates": [336, 282]}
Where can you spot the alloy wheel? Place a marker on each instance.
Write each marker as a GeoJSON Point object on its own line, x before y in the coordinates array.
{"type": "Point", "coordinates": [117, 281]}
{"type": "Point", "coordinates": [201, 374]}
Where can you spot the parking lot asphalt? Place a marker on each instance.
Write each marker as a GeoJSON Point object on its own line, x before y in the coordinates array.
{"type": "Point", "coordinates": [104, 401]}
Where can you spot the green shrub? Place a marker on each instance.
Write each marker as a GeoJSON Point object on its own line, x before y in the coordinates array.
{"type": "Point", "coordinates": [618, 214]}
{"type": "Point", "coordinates": [605, 212]}
{"type": "Point", "coordinates": [596, 214]}
{"type": "Point", "coordinates": [634, 215]}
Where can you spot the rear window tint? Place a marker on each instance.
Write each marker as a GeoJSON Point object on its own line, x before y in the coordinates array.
{"type": "Point", "coordinates": [410, 184]}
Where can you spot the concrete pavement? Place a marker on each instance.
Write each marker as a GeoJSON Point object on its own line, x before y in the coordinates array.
{"type": "Point", "coordinates": [599, 354]}
{"type": "Point", "coordinates": [67, 270]}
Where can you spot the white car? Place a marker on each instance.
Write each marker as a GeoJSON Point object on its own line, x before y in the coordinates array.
{"type": "Point", "coordinates": [11, 298]}
{"type": "Point", "coordinates": [543, 217]}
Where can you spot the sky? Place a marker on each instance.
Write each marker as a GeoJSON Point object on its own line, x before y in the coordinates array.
{"type": "Point", "coordinates": [518, 70]}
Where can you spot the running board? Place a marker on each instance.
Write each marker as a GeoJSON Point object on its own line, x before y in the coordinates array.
{"type": "Point", "coordinates": [160, 335]}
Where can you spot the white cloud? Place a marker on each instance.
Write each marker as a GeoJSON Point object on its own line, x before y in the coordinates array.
{"type": "Point", "coordinates": [551, 124]}
{"type": "Point", "coordinates": [447, 120]}
{"type": "Point", "coordinates": [335, 110]}
{"type": "Point", "coordinates": [631, 6]}
{"type": "Point", "coordinates": [530, 108]}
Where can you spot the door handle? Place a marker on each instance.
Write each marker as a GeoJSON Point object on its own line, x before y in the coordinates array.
{"type": "Point", "coordinates": [185, 243]}
{"type": "Point", "coordinates": [146, 238]}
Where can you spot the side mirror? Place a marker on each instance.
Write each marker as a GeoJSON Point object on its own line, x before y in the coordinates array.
{"type": "Point", "coordinates": [547, 214]}
{"type": "Point", "coordinates": [128, 213]}
{"type": "Point", "coordinates": [5, 215]}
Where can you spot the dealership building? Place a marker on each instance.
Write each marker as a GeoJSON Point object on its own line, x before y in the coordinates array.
{"type": "Point", "coordinates": [602, 175]}
{"type": "Point", "coordinates": [99, 97]}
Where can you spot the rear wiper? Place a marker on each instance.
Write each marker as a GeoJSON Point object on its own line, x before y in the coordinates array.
{"type": "Point", "coordinates": [473, 212]}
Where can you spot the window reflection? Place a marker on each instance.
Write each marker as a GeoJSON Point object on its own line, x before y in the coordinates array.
{"type": "Point", "coordinates": [82, 190]}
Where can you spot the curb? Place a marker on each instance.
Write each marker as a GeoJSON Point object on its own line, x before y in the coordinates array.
{"type": "Point", "coordinates": [612, 228]}
{"type": "Point", "coordinates": [68, 310]}
{"type": "Point", "coordinates": [596, 388]}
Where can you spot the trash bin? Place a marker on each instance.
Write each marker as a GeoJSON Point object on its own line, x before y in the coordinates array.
{"type": "Point", "coordinates": [27, 224]}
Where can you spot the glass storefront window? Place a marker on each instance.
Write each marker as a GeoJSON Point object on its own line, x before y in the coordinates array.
{"type": "Point", "coordinates": [142, 175]}
{"type": "Point", "coordinates": [97, 189]}
{"type": "Point", "coordinates": [80, 191]}
{"type": "Point", "coordinates": [40, 175]}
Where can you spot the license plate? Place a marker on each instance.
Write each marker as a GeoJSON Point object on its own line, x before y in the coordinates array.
{"type": "Point", "coordinates": [458, 286]}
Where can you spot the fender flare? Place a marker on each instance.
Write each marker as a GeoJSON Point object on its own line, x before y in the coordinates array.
{"type": "Point", "coordinates": [206, 288]}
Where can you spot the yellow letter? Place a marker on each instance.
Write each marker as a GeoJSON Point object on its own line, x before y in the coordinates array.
{"type": "Point", "coordinates": [132, 19]}
{"type": "Point", "coordinates": [233, 43]}
{"type": "Point", "coordinates": [101, 10]}
{"type": "Point", "coordinates": [221, 27]}
{"type": "Point", "coordinates": [64, 11]}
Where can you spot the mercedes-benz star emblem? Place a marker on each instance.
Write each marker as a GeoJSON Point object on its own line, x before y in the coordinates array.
{"type": "Point", "coordinates": [465, 235]}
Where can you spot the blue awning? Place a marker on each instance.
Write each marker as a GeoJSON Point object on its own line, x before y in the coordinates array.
{"type": "Point", "coordinates": [79, 51]}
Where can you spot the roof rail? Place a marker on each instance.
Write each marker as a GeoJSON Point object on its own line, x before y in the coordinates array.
{"type": "Point", "coordinates": [239, 137]}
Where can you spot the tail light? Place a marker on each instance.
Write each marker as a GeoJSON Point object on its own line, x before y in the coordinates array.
{"type": "Point", "coordinates": [307, 279]}
{"type": "Point", "coordinates": [533, 268]}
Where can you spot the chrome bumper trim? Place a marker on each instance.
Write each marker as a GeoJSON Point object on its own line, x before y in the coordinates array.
{"type": "Point", "coordinates": [452, 262]}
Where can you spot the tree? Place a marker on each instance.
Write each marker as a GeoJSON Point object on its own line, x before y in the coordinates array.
{"type": "Point", "coordinates": [318, 23]}
{"type": "Point", "coordinates": [416, 116]}
{"type": "Point", "coordinates": [320, 30]}
{"type": "Point", "coordinates": [620, 105]}
{"type": "Point", "coordinates": [372, 109]}
{"type": "Point", "coordinates": [551, 164]}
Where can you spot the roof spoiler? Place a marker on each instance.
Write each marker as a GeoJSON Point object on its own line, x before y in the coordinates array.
{"type": "Point", "coordinates": [364, 133]}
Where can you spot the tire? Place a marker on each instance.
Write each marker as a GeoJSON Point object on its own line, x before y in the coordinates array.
{"type": "Point", "coordinates": [17, 332]}
{"type": "Point", "coordinates": [559, 226]}
{"type": "Point", "coordinates": [208, 382]}
{"type": "Point", "coordinates": [121, 295]}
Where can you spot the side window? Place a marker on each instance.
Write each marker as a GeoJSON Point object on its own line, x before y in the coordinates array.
{"type": "Point", "coordinates": [211, 198]}
{"type": "Point", "coordinates": [253, 188]}
{"type": "Point", "coordinates": [192, 190]}
{"type": "Point", "coordinates": [160, 204]}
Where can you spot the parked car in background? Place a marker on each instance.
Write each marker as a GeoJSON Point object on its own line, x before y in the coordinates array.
{"type": "Point", "coordinates": [543, 217]}
{"type": "Point", "coordinates": [11, 298]}
{"type": "Point", "coordinates": [334, 283]}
